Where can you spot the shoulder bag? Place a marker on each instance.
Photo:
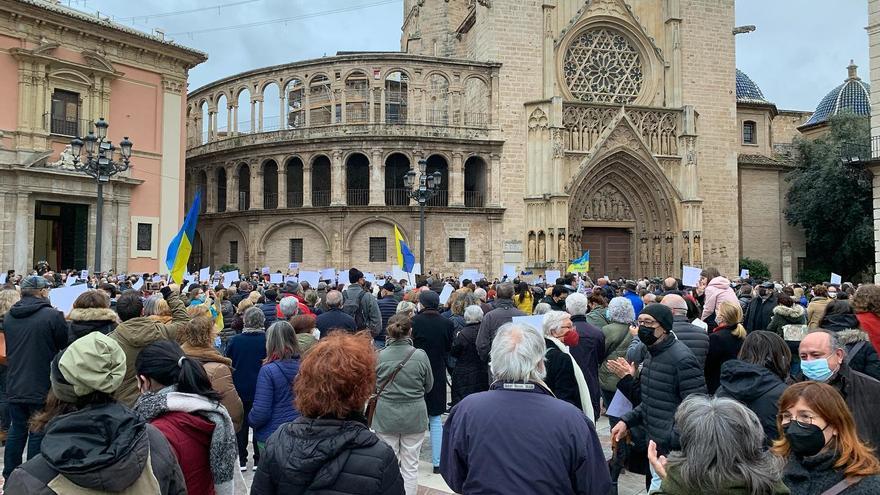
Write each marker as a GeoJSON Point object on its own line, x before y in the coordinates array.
{"type": "Point", "coordinates": [374, 399]}
{"type": "Point", "coordinates": [842, 485]}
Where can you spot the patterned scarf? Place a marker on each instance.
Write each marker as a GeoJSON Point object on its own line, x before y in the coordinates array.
{"type": "Point", "coordinates": [223, 456]}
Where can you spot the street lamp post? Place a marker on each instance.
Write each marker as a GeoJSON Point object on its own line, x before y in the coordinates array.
{"type": "Point", "coordinates": [99, 165]}
{"type": "Point", "coordinates": [421, 189]}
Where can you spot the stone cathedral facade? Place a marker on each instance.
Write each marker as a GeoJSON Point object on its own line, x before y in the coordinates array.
{"type": "Point", "coordinates": [557, 125]}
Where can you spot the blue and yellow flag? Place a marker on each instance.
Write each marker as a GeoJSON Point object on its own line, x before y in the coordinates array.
{"type": "Point", "coordinates": [181, 246]}
{"type": "Point", "coordinates": [405, 258]}
{"type": "Point", "coordinates": [580, 265]}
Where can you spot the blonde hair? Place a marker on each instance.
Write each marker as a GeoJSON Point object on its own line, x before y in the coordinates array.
{"type": "Point", "coordinates": [732, 314]}
{"type": "Point", "coordinates": [8, 297]}
{"type": "Point", "coordinates": [254, 296]}
{"type": "Point", "coordinates": [244, 305]}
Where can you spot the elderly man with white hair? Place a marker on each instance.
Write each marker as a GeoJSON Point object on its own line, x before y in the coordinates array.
{"type": "Point", "coordinates": [470, 373]}
{"type": "Point", "coordinates": [555, 449]}
{"type": "Point", "coordinates": [690, 335]}
{"type": "Point", "coordinates": [588, 350]}
{"type": "Point", "coordinates": [564, 377]}
{"type": "Point", "coordinates": [289, 307]}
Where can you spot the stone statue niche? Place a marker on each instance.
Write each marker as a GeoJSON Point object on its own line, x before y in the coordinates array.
{"type": "Point", "coordinates": [542, 248]}
{"type": "Point", "coordinates": [532, 249]}
{"type": "Point", "coordinates": [610, 205]}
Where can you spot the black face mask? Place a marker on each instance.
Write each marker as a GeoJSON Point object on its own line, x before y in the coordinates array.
{"type": "Point", "coordinates": [646, 335]}
{"type": "Point", "coordinates": [805, 441]}
{"type": "Point", "coordinates": [762, 292]}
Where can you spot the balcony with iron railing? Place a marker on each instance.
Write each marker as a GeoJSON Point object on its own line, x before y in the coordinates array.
{"type": "Point", "coordinates": [294, 199]}
{"type": "Point", "coordinates": [67, 127]}
{"type": "Point", "coordinates": [357, 197]}
{"type": "Point", "coordinates": [320, 198]}
{"type": "Point", "coordinates": [397, 197]}
{"type": "Point", "coordinates": [270, 200]}
{"type": "Point", "coordinates": [474, 199]}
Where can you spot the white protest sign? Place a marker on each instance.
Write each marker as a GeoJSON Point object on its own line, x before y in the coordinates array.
{"type": "Point", "coordinates": [417, 269]}
{"type": "Point", "coordinates": [63, 297]}
{"type": "Point", "coordinates": [328, 274]}
{"type": "Point", "coordinates": [397, 273]}
{"type": "Point", "coordinates": [84, 274]}
{"type": "Point", "coordinates": [744, 273]}
{"type": "Point", "coordinates": [229, 278]}
{"type": "Point", "coordinates": [509, 271]}
{"type": "Point", "coordinates": [835, 279]}
{"type": "Point", "coordinates": [276, 278]}
{"type": "Point", "coordinates": [157, 278]}
{"type": "Point", "coordinates": [291, 278]}
{"type": "Point", "coordinates": [690, 276]}
{"type": "Point", "coordinates": [619, 406]}
{"type": "Point", "coordinates": [445, 293]}
{"type": "Point", "coordinates": [265, 270]}
{"type": "Point", "coordinates": [369, 277]}
{"type": "Point", "coordinates": [71, 279]}
{"type": "Point", "coordinates": [292, 266]}
{"type": "Point", "coordinates": [138, 284]}
{"type": "Point", "coordinates": [311, 277]}
{"type": "Point", "coordinates": [534, 321]}
{"type": "Point", "coordinates": [552, 275]}
{"type": "Point", "coordinates": [2, 278]}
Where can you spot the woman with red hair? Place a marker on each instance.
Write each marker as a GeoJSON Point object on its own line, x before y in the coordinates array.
{"type": "Point", "coordinates": [329, 447]}
{"type": "Point", "coordinates": [817, 436]}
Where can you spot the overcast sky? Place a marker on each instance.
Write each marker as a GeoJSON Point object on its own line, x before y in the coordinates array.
{"type": "Point", "coordinates": [799, 51]}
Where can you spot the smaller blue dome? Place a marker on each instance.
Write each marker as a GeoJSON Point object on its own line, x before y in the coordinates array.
{"type": "Point", "coordinates": [853, 96]}
{"type": "Point", "coordinates": [747, 91]}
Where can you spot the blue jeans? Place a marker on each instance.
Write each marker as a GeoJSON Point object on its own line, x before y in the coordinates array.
{"type": "Point", "coordinates": [19, 414]}
{"type": "Point", "coordinates": [436, 425]}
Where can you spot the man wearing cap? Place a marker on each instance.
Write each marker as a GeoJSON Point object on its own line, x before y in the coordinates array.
{"type": "Point", "coordinates": [387, 307]}
{"type": "Point", "coordinates": [631, 292]}
{"type": "Point", "coordinates": [35, 332]}
{"type": "Point", "coordinates": [669, 374]}
{"type": "Point", "coordinates": [103, 446]}
{"type": "Point", "coordinates": [760, 310]}
{"type": "Point", "coordinates": [355, 295]}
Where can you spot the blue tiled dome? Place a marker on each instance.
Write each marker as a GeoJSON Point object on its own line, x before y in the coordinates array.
{"type": "Point", "coordinates": [747, 91]}
{"type": "Point", "coordinates": [853, 96]}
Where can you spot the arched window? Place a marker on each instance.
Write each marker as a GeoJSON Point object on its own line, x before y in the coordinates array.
{"type": "Point", "coordinates": [204, 131]}
{"type": "Point", "coordinates": [321, 181]}
{"type": "Point", "coordinates": [357, 98]}
{"type": "Point", "coordinates": [271, 107]}
{"type": "Point", "coordinates": [357, 180]}
{"type": "Point", "coordinates": [396, 96]}
{"type": "Point", "coordinates": [438, 163]}
{"type": "Point", "coordinates": [750, 132]}
{"type": "Point", "coordinates": [222, 117]}
{"type": "Point", "coordinates": [396, 166]}
{"type": "Point", "coordinates": [438, 103]}
{"type": "Point", "coordinates": [293, 94]}
{"type": "Point", "coordinates": [221, 189]}
{"type": "Point", "coordinates": [476, 103]}
{"type": "Point", "coordinates": [243, 115]}
{"type": "Point", "coordinates": [319, 100]}
{"type": "Point", "coordinates": [294, 182]}
{"type": "Point", "coordinates": [270, 185]}
{"type": "Point", "coordinates": [203, 188]}
{"type": "Point", "coordinates": [475, 182]}
{"type": "Point", "coordinates": [244, 187]}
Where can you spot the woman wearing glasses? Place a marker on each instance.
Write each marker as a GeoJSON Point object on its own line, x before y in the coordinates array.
{"type": "Point", "coordinates": [819, 440]}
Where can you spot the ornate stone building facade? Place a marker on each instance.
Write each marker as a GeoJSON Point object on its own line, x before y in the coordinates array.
{"type": "Point", "coordinates": [558, 126]}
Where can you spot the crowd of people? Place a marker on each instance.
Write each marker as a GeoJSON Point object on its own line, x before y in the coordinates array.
{"type": "Point", "coordinates": [729, 387]}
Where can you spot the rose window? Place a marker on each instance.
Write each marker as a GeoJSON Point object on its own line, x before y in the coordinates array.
{"type": "Point", "coordinates": [602, 66]}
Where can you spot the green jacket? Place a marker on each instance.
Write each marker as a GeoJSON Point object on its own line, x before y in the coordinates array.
{"type": "Point", "coordinates": [617, 339]}
{"type": "Point", "coordinates": [137, 333]}
{"type": "Point", "coordinates": [401, 407]}
{"type": "Point", "coordinates": [672, 486]}
{"type": "Point", "coordinates": [597, 317]}
{"type": "Point", "coordinates": [782, 316]}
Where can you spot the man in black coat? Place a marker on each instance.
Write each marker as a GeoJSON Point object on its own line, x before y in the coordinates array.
{"type": "Point", "coordinates": [760, 310]}
{"type": "Point", "coordinates": [334, 318]}
{"type": "Point", "coordinates": [669, 374]}
{"type": "Point", "coordinates": [589, 352]}
{"type": "Point", "coordinates": [433, 334]}
{"type": "Point", "coordinates": [690, 335]}
{"type": "Point", "coordinates": [35, 332]}
{"type": "Point", "coordinates": [503, 313]}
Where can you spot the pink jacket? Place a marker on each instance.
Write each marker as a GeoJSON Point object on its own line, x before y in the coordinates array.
{"type": "Point", "coordinates": [717, 292]}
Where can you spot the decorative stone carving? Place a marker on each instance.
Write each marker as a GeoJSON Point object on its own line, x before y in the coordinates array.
{"type": "Point", "coordinates": [542, 249]}
{"type": "Point", "coordinates": [584, 124]}
{"type": "Point", "coordinates": [563, 249]}
{"type": "Point", "coordinates": [610, 205]}
{"type": "Point", "coordinates": [65, 160]}
{"type": "Point", "coordinates": [533, 249]}
{"type": "Point", "coordinates": [601, 65]}
{"type": "Point", "coordinates": [657, 251]}
{"type": "Point", "coordinates": [538, 119]}
{"type": "Point", "coordinates": [643, 251]}
{"type": "Point", "coordinates": [698, 250]}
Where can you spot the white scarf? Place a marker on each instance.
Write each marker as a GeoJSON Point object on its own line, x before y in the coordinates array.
{"type": "Point", "coordinates": [586, 402]}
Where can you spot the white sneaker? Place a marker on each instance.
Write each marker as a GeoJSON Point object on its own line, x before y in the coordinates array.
{"type": "Point", "coordinates": [243, 468]}
{"type": "Point", "coordinates": [254, 468]}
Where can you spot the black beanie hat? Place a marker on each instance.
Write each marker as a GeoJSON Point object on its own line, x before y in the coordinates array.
{"type": "Point", "coordinates": [661, 313]}
{"type": "Point", "coordinates": [429, 299]}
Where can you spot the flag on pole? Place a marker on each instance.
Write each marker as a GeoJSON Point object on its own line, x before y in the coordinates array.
{"type": "Point", "coordinates": [405, 258]}
{"type": "Point", "coordinates": [580, 265]}
{"type": "Point", "coordinates": [181, 246]}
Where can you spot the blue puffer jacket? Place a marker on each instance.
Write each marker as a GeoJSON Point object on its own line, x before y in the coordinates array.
{"type": "Point", "coordinates": [273, 401]}
{"type": "Point", "coordinates": [270, 311]}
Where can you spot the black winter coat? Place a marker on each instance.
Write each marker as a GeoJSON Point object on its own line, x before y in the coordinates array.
{"type": "Point", "coordinates": [560, 375]}
{"type": "Point", "coordinates": [759, 313]}
{"type": "Point", "coordinates": [589, 354]}
{"type": "Point", "coordinates": [35, 332]}
{"type": "Point", "coordinates": [723, 346]}
{"type": "Point", "coordinates": [469, 375]}
{"type": "Point", "coordinates": [860, 354]}
{"type": "Point", "coordinates": [814, 475]}
{"type": "Point", "coordinates": [757, 388]}
{"type": "Point", "coordinates": [669, 374]}
{"type": "Point", "coordinates": [432, 333]}
{"type": "Point", "coordinates": [327, 457]}
{"type": "Point", "coordinates": [692, 336]}
{"type": "Point", "coordinates": [83, 321]}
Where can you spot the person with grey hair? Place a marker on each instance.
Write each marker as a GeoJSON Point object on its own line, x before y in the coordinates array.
{"type": "Point", "coordinates": [541, 309]}
{"type": "Point", "coordinates": [586, 344]}
{"type": "Point", "coordinates": [559, 447]}
{"type": "Point", "coordinates": [690, 335]}
{"type": "Point", "coordinates": [334, 318]}
{"type": "Point", "coordinates": [564, 377]}
{"type": "Point", "coordinates": [503, 313]}
{"type": "Point", "coordinates": [617, 339]}
{"type": "Point", "coordinates": [289, 307]}
{"type": "Point", "coordinates": [722, 451]}
{"type": "Point", "coordinates": [247, 351]}
{"type": "Point", "coordinates": [406, 307]}
{"type": "Point", "coordinates": [470, 374]}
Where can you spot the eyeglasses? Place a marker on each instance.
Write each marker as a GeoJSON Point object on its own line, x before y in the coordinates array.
{"type": "Point", "coordinates": [802, 419]}
{"type": "Point", "coordinates": [647, 323]}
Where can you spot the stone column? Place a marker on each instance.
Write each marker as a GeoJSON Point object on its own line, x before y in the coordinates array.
{"type": "Point", "coordinates": [494, 174]}
{"type": "Point", "coordinates": [23, 246]}
{"type": "Point", "coordinates": [231, 188]}
{"type": "Point", "coordinates": [253, 115]}
{"type": "Point", "coordinates": [256, 186]}
{"type": "Point", "coordinates": [282, 115]}
{"type": "Point", "coordinates": [307, 182]}
{"type": "Point", "coordinates": [234, 130]}
{"type": "Point", "coordinates": [282, 182]}
{"type": "Point", "coordinates": [377, 178]}
{"type": "Point", "coordinates": [229, 120]}
{"type": "Point", "coordinates": [333, 98]}
{"type": "Point", "coordinates": [337, 179]}
{"type": "Point", "coordinates": [456, 180]}
{"type": "Point", "coordinates": [211, 191]}
{"type": "Point", "coordinates": [306, 105]}
{"type": "Point", "coordinates": [260, 114]}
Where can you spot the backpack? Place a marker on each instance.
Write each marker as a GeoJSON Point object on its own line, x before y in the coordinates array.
{"type": "Point", "coordinates": [355, 309]}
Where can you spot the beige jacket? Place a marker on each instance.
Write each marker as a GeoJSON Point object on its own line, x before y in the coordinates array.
{"type": "Point", "coordinates": [219, 370]}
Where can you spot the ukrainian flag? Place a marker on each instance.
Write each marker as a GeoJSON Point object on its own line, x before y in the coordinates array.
{"type": "Point", "coordinates": [181, 246]}
{"type": "Point", "coordinates": [580, 265]}
{"type": "Point", "coordinates": [405, 258]}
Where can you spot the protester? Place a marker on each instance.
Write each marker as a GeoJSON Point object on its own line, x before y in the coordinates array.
{"type": "Point", "coordinates": [247, 351]}
{"type": "Point", "coordinates": [716, 292]}
{"type": "Point", "coordinates": [689, 334]}
{"type": "Point", "coordinates": [401, 416]}
{"type": "Point", "coordinates": [8, 298]}
{"type": "Point", "coordinates": [361, 305]}
{"type": "Point", "coordinates": [760, 310]}
{"type": "Point", "coordinates": [818, 440]}
{"type": "Point", "coordinates": [724, 342]}
{"type": "Point", "coordinates": [312, 299]}
{"type": "Point", "coordinates": [433, 334]}
{"type": "Point", "coordinates": [631, 292]}
{"type": "Point", "coordinates": [860, 354]}
{"type": "Point", "coordinates": [503, 313]}
{"type": "Point", "coordinates": [564, 377]}
{"type": "Point", "coordinates": [334, 318]}
{"type": "Point", "coordinates": [588, 349]}
{"type": "Point", "coordinates": [304, 326]}
{"type": "Point", "coordinates": [238, 319]}
{"type": "Point", "coordinates": [745, 294]}
{"type": "Point", "coordinates": [197, 341]}
{"type": "Point", "coordinates": [786, 313]}
{"type": "Point", "coordinates": [617, 340]}
{"type": "Point", "coordinates": [598, 305]}
{"type": "Point", "coordinates": [138, 331]}
{"type": "Point", "coordinates": [92, 443]}
{"type": "Point", "coordinates": [816, 308]}
{"type": "Point", "coordinates": [757, 377]}
{"type": "Point", "coordinates": [669, 374]}
{"type": "Point", "coordinates": [559, 447]}
{"type": "Point", "coordinates": [523, 299]}
{"type": "Point", "coordinates": [270, 307]}
{"type": "Point", "coordinates": [866, 304]}
{"type": "Point", "coordinates": [470, 374]}
{"type": "Point", "coordinates": [722, 451]}
{"type": "Point", "coordinates": [34, 333]}
{"type": "Point", "coordinates": [177, 398]}
{"type": "Point", "coordinates": [387, 308]}
{"type": "Point", "coordinates": [329, 448]}
{"type": "Point", "coordinates": [91, 313]}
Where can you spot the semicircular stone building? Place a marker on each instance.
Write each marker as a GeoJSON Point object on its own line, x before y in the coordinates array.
{"type": "Point", "coordinates": [557, 126]}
